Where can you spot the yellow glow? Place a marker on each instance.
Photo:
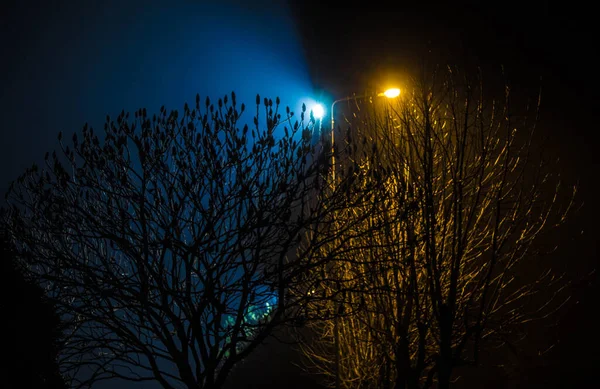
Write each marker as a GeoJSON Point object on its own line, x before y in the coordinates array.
{"type": "Point", "coordinates": [391, 93]}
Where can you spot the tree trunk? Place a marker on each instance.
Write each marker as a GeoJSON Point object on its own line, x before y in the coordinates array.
{"type": "Point", "coordinates": [445, 363]}
{"type": "Point", "coordinates": [444, 374]}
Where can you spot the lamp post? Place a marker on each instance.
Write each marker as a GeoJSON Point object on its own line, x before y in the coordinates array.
{"type": "Point", "coordinates": [390, 94]}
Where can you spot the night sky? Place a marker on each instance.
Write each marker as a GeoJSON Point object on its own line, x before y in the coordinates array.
{"type": "Point", "coordinates": [65, 63]}
{"type": "Point", "coordinates": [71, 62]}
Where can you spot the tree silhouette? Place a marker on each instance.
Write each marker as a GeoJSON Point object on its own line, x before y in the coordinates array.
{"type": "Point", "coordinates": [31, 328]}
{"type": "Point", "coordinates": [171, 244]}
{"type": "Point", "coordinates": [448, 268]}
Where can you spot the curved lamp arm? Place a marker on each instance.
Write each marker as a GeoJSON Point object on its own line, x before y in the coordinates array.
{"type": "Point", "coordinates": [390, 94]}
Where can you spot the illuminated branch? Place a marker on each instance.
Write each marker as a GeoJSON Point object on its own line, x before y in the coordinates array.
{"type": "Point", "coordinates": [435, 275]}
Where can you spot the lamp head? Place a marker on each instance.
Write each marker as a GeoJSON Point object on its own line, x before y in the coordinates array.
{"type": "Point", "coordinates": [318, 111]}
{"type": "Point", "coordinates": [391, 93]}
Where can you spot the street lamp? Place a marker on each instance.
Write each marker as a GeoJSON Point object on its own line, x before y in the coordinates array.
{"type": "Point", "coordinates": [318, 111]}
{"type": "Point", "coordinates": [390, 94]}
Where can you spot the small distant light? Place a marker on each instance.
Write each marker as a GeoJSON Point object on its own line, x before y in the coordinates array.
{"type": "Point", "coordinates": [318, 111]}
{"type": "Point", "coordinates": [391, 93]}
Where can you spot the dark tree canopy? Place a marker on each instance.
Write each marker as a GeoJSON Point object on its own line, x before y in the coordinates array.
{"type": "Point", "coordinates": [31, 328]}
{"type": "Point", "coordinates": [170, 240]}
{"type": "Point", "coordinates": [175, 244]}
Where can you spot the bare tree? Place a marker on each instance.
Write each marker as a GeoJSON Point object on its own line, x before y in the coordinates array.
{"type": "Point", "coordinates": [170, 244]}
{"type": "Point", "coordinates": [448, 271]}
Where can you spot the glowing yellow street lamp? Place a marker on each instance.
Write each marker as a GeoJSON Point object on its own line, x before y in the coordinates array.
{"type": "Point", "coordinates": [390, 94]}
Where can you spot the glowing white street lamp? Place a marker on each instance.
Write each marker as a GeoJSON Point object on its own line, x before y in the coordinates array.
{"type": "Point", "coordinates": [318, 111]}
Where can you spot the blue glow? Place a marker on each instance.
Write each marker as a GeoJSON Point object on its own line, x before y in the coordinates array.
{"type": "Point", "coordinates": [318, 111]}
{"type": "Point", "coordinates": [97, 58]}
